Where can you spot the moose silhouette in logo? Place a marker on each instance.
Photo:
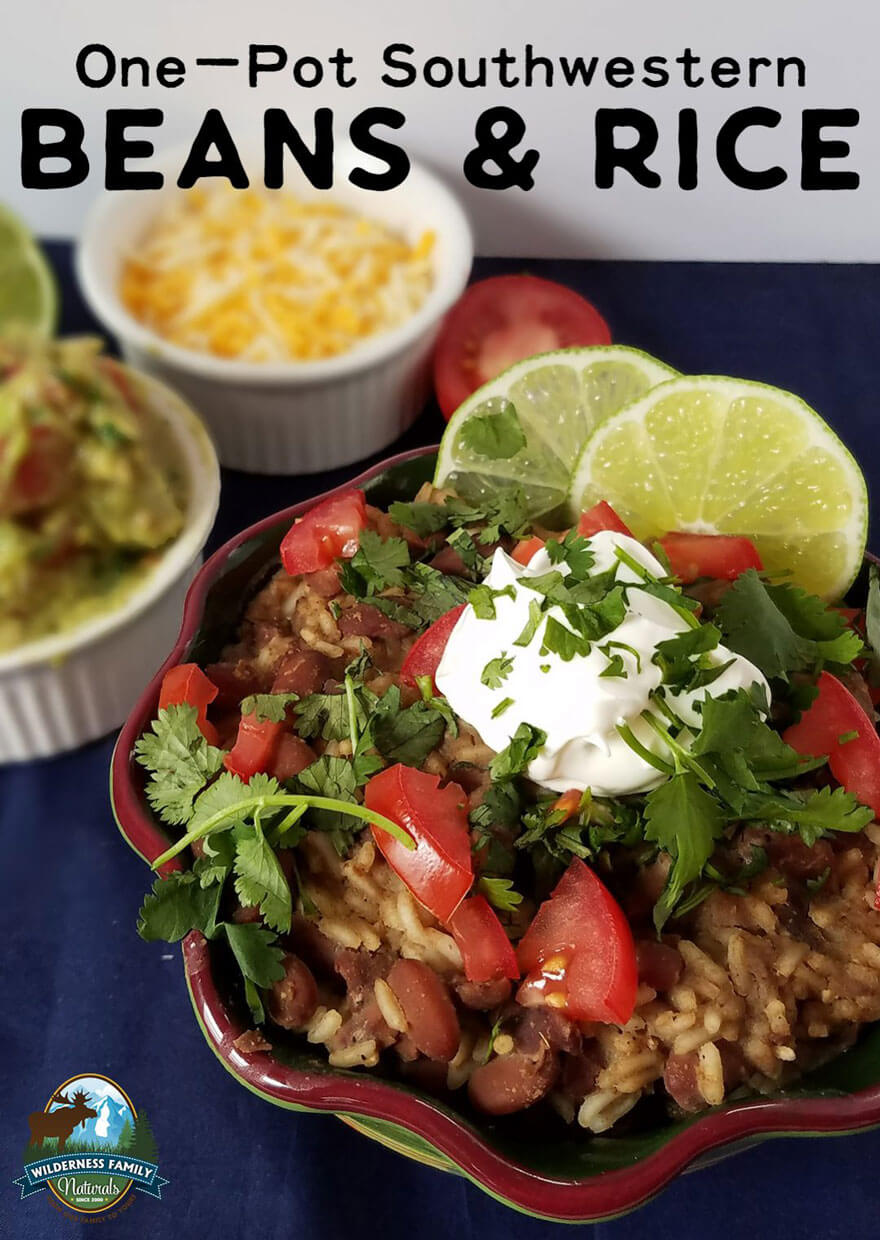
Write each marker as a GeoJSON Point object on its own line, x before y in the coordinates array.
{"type": "Point", "coordinates": [61, 1123]}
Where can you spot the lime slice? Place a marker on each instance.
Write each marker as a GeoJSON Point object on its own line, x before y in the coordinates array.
{"type": "Point", "coordinates": [726, 456]}
{"type": "Point", "coordinates": [28, 296]}
{"type": "Point", "coordinates": [528, 425]}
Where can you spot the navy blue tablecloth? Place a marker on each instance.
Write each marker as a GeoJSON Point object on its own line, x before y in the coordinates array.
{"type": "Point", "coordinates": [79, 991]}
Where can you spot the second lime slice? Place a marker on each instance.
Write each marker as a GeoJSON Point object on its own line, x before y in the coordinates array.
{"type": "Point", "coordinates": [528, 426]}
{"type": "Point", "coordinates": [727, 456]}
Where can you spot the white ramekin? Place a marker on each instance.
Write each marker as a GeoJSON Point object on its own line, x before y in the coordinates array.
{"type": "Point", "coordinates": [292, 417]}
{"type": "Point", "coordinates": [60, 691]}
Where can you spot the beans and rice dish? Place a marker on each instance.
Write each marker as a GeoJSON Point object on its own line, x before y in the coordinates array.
{"type": "Point", "coordinates": [740, 969]}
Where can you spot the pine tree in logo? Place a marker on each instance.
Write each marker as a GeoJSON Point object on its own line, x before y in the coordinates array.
{"type": "Point", "coordinates": [143, 1143]}
{"type": "Point", "coordinates": [126, 1136]}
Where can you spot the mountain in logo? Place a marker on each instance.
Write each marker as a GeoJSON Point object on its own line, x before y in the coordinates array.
{"type": "Point", "coordinates": [106, 1127]}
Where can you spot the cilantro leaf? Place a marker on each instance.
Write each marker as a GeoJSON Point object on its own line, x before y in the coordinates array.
{"type": "Point", "coordinates": [558, 639]}
{"type": "Point", "coordinates": [178, 904]}
{"type": "Point", "coordinates": [732, 724]}
{"type": "Point", "coordinates": [505, 511]}
{"type": "Point", "coordinates": [685, 821]}
{"type": "Point", "coordinates": [226, 794]}
{"type": "Point", "coordinates": [377, 564]}
{"type": "Point", "coordinates": [526, 743]}
{"type": "Point", "coordinates": [256, 953]}
{"type": "Point", "coordinates": [496, 671]}
{"type": "Point", "coordinates": [536, 615]}
{"type": "Point", "coordinates": [406, 736]}
{"type": "Point", "coordinates": [331, 776]}
{"type": "Point", "coordinates": [493, 821]}
{"type": "Point", "coordinates": [674, 655]}
{"type": "Point", "coordinates": [496, 436]}
{"type": "Point", "coordinates": [574, 551]}
{"type": "Point", "coordinates": [500, 893]}
{"type": "Point", "coordinates": [472, 558]}
{"type": "Point", "coordinates": [813, 816]}
{"type": "Point", "coordinates": [482, 599]}
{"type": "Point", "coordinates": [422, 518]}
{"type": "Point", "coordinates": [268, 707]}
{"type": "Point", "coordinates": [326, 714]}
{"type": "Point", "coordinates": [782, 629]}
{"type": "Point", "coordinates": [180, 760]}
{"type": "Point", "coordinates": [259, 880]}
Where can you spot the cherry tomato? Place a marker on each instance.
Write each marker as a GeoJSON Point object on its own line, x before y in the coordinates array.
{"type": "Point", "coordinates": [328, 530]}
{"type": "Point", "coordinates": [601, 517]}
{"type": "Point", "coordinates": [501, 320]}
{"type": "Point", "coordinates": [578, 952]}
{"type": "Point", "coordinates": [438, 871]}
{"type": "Point", "coordinates": [485, 948]}
{"type": "Point", "coordinates": [427, 651]}
{"type": "Point", "coordinates": [255, 746]}
{"type": "Point", "coordinates": [187, 685]}
{"type": "Point", "coordinates": [835, 713]}
{"type": "Point", "coordinates": [524, 550]}
{"type": "Point", "coordinates": [721, 556]}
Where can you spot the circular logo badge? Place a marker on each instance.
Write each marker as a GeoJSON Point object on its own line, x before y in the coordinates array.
{"type": "Point", "coordinates": [91, 1126]}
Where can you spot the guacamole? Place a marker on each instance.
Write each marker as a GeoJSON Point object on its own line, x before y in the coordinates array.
{"type": "Point", "coordinates": [90, 491]}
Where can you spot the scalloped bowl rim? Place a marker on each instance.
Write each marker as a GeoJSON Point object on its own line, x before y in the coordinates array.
{"type": "Point", "coordinates": [600, 1196]}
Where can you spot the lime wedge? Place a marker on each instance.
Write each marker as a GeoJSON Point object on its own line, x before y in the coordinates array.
{"type": "Point", "coordinates": [528, 425]}
{"type": "Point", "coordinates": [28, 295]}
{"type": "Point", "coordinates": [726, 456]}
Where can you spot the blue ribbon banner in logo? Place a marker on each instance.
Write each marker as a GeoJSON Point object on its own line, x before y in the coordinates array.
{"type": "Point", "coordinates": [144, 1175]}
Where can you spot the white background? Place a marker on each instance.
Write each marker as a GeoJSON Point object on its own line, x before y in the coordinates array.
{"type": "Point", "coordinates": [564, 214]}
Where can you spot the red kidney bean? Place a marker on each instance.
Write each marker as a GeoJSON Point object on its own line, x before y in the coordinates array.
{"type": "Point", "coordinates": [324, 582]}
{"type": "Point", "coordinates": [244, 914]}
{"type": "Point", "coordinates": [483, 996]}
{"type": "Point", "coordinates": [291, 1002]}
{"type": "Point", "coordinates": [234, 681]}
{"type": "Point", "coordinates": [424, 998]}
{"type": "Point", "coordinates": [680, 1079]}
{"type": "Point", "coordinates": [366, 621]}
{"type": "Point", "coordinates": [509, 1083]}
{"type": "Point", "coordinates": [580, 1073]}
{"type": "Point", "coordinates": [449, 561]}
{"type": "Point", "coordinates": [300, 671]}
{"type": "Point", "coordinates": [790, 855]}
{"type": "Point", "coordinates": [660, 964]}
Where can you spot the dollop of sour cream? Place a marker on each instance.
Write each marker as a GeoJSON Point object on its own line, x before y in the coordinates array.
{"type": "Point", "coordinates": [578, 708]}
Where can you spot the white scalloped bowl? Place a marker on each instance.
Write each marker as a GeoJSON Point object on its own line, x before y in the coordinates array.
{"type": "Point", "coordinates": [297, 416]}
{"type": "Point", "coordinates": [60, 691]}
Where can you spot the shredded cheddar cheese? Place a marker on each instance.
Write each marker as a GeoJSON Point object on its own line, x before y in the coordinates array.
{"type": "Point", "coordinates": [264, 276]}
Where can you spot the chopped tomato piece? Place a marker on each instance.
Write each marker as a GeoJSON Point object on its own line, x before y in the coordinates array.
{"type": "Point", "coordinates": [41, 475]}
{"type": "Point", "coordinates": [578, 953]}
{"type": "Point", "coordinates": [601, 517]}
{"type": "Point", "coordinates": [524, 550]}
{"type": "Point", "coordinates": [485, 948]}
{"type": "Point", "coordinates": [568, 804]}
{"type": "Point", "coordinates": [255, 746]}
{"type": "Point", "coordinates": [826, 728]}
{"type": "Point", "coordinates": [187, 685]}
{"type": "Point", "coordinates": [427, 651]}
{"type": "Point", "coordinates": [329, 530]}
{"type": "Point", "coordinates": [721, 556]}
{"type": "Point", "coordinates": [438, 871]}
{"type": "Point", "coordinates": [498, 321]}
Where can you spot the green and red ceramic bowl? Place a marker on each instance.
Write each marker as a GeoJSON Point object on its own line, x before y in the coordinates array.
{"type": "Point", "coordinates": [534, 1164]}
